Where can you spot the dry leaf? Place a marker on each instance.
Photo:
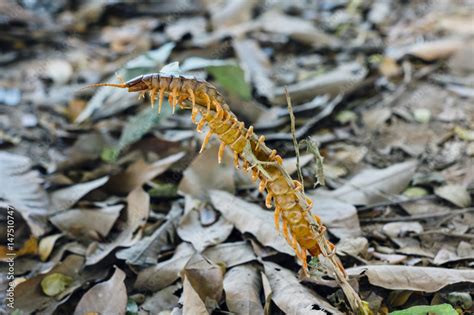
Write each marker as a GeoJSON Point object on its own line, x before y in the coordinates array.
{"type": "Point", "coordinates": [242, 286]}
{"type": "Point", "coordinates": [455, 194]}
{"type": "Point", "coordinates": [205, 173]}
{"type": "Point", "coordinates": [439, 49]}
{"type": "Point", "coordinates": [109, 297]}
{"type": "Point", "coordinates": [90, 223]}
{"type": "Point", "coordinates": [291, 296]}
{"type": "Point", "coordinates": [162, 300]}
{"type": "Point", "coordinates": [145, 251]}
{"type": "Point", "coordinates": [374, 185]}
{"type": "Point", "coordinates": [139, 173]}
{"type": "Point", "coordinates": [203, 284]}
{"type": "Point", "coordinates": [46, 245]}
{"type": "Point", "coordinates": [340, 217]}
{"type": "Point", "coordinates": [65, 198]}
{"type": "Point", "coordinates": [136, 215]}
{"type": "Point", "coordinates": [427, 279]}
{"type": "Point", "coordinates": [22, 188]}
{"type": "Point", "coordinates": [164, 273]}
{"type": "Point", "coordinates": [190, 229]}
{"type": "Point", "coordinates": [250, 218]}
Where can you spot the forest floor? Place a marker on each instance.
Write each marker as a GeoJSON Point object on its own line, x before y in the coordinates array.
{"type": "Point", "coordinates": [114, 209]}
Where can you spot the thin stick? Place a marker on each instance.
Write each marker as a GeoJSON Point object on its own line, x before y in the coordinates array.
{"type": "Point", "coordinates": [293, 135]}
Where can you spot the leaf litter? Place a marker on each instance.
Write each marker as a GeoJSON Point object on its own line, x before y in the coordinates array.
{"type": "Point", "coordinates": [116, 212]}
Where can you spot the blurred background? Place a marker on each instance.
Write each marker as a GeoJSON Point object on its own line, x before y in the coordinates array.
{"type": "Point", "coordinates": [385, 89]}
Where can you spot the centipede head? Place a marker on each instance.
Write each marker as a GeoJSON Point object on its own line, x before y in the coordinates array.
{"type": "Point", "coordinates": [137, 84]}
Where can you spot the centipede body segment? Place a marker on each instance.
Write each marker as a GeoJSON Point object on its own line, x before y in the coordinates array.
{"type": "Point", "coordinates": [294, 214]}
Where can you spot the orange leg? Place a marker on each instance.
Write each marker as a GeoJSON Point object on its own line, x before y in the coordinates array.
{"type": "Point", "coordinates": [268, 200]}
{"type": "Point", "coordinates": [160, 100]}
{"type": "Point", "coordinates": [193, 101]}
{"type": "Point", "coordinates": [261, 140]}
{"type": "Point", "coordinates": [286, 234]}
{"type": "Point", "coordinates": [236, 160]}
{"type": "Point", "coordinates": [277, 217]}
{"type": "Point", "coordinates": [220, 155]}
{"type": "Point", "coordinates": [205, 141]}
{"type": "Point", "coordinates": [201, 124]}
{"type": "Point", "coordinates": [261, 186]}
{"type": "Point", "coordinates": [152, 97]}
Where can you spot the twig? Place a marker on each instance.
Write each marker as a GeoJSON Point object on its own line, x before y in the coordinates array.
{"type": "Point", "coordinates": [293, 134]}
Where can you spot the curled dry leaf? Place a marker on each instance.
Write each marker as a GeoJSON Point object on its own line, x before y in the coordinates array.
{"type": "Point", "coordinates": [250, 218]}
{"type": "Point", "coordinates": [291, 296]}
{"type": "Point", "coordinates": [374, 185]}
{"type": "Point", "coordinates": [242, 286]}
{"type": "Point", "coordinates": [65, 198]}
{"type": "Point", "coordinates": [46, 245]}
{"type": "Point", "coordinates": [136, 215]}
{"type": "Point", "coordinates": [90, 223]}
{"type": "Point", "coordinates": [109, 297]}
{"type": "Point", "coordinates": [21, 187]}
{"type": "Point", "coordinates": [205, 173]}
{"type": "Point", "coordinates": [139, 173]}
{"type": "Point", "coordinates": [427, 279]}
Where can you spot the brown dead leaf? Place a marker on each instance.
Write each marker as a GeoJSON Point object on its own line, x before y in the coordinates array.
{"type": "Point", "coordinates": [242, 286]}
{"type": "Point", "coordinates": [427, 279]}
{"type": "Point", "coordinates": [164, 299]}
{"type": "Point", "coordinates": [203, 284]}
{"type": "Point", "coordinates": [439, 49]}
{"type": "Point", "coordinates": [374, 185]}
{"type": "Point", "coordinates": [205, 173]}
{"type": "Point", "coordinates": [191, 230]}
{"type": "Point", "coordinates": [456, 194]}
{"type": "Point", "coordinates": [91, 223]}
{"type": "Point", "coordinates": [136, 215]}
{"type": "Point", "coordinates": [109, 297]}
{"type": "Point", "coordinates": [291, 296]}
{"type": "Point", "coordinates": [340, 217]}
{"type": "Point", "coordinates": [65, 198]}
{"type": "Point", "coordinates": [250, 218]}
{"type": "Point", "coordinates": [164, 273]}
{"type": "Point", "coordinates": [22, 189]}
{"type": "Point", "coordinates": [139, 173]}
{"type": "Point", "coordinates": [146, 251]}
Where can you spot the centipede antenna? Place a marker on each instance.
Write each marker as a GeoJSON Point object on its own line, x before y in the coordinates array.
{"type": "Point", "coordinates": [121, 85]}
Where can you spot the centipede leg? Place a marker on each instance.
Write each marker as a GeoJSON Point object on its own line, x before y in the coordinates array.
{"type": "Point", "coordinates": [249, 133]}
{"type": "Point", "coordinates": [275, 157]}
{"type": "Point", "coordinates": [174, 96]}
{"type": "Point", "coordinates": [261, 140]}
{"type": "Point", "coordinates": [236, 160]}
{"type": "Point", "coordinates": [201, 124]}
{"type": "Point", "coordinates": [205, 141]}
{"type": "Point", "coordinates": [255, 174]}
{"type": "Point", "coordinates": [194, 111]}
{"type": "Point", "coordinates": [298, 185]}
{"type": "Point", "coordinates": [152, 97]}
{"type": "Point", "coordinates": [286, 234]}
{"type": "Point", "coordinates": [141, 95]}
{"type": "Point", "coordinates": [160, 100]}
{"type": "Point", "coordinates": [262, 185]}
{"type": "Point", "coordinates": [268, 199]}
{"type": "Point", "coordinates": [276, 217]}
{"type": "Point", "coordinates": [220, 155]}
{"type": "Point", "coordinates": [208, 101]}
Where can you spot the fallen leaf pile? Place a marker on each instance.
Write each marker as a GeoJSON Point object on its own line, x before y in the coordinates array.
{"type": "Point", "coordinates": [116, 212]}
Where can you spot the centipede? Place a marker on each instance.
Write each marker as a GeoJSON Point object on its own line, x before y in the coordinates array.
{"type": "Point", "coordinates": [292, 209]}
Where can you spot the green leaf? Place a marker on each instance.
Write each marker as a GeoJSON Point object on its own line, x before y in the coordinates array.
{"type": "Point", "coordinates": [441, 309]}
{"type": "Point", "coordinates": [415, 192]}
{"type": "Point", "coordinates": [55, 283]}
{"type": "Point", "coordinates": [164, 190]}
{"type": "Point", "coordinates": [136, 128]}
{"type": "Point", "coordinates": [132, 307]}
{"type": "Point", "coordinates": [231, 78]}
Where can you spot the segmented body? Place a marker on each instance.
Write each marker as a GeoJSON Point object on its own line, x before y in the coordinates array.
{"type": "Point", "coordinates": [293, 212]}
